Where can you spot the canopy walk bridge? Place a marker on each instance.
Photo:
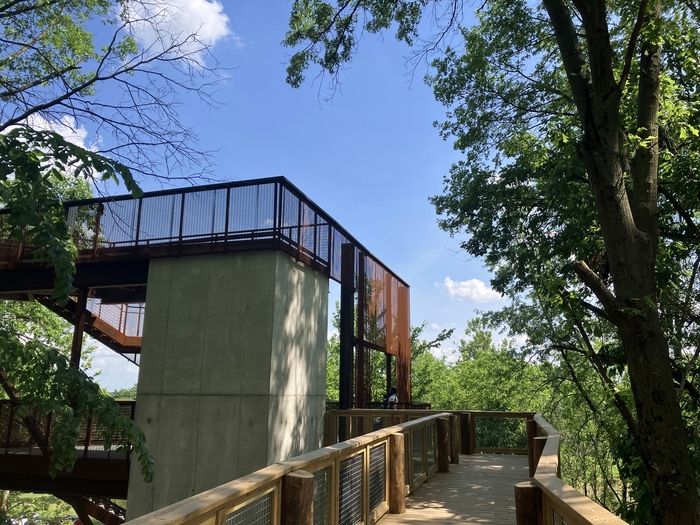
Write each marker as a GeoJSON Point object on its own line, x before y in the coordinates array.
{"type": "Point", "coordinates": [411, 467]}
{"type": "Point", "coordinates": [220, 295]}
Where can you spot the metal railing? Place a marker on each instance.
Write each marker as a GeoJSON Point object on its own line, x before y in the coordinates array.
{"type": "Point", "coordinates": [16, 439]}
{"type": "Point", "coordinates": [351, 482]}
{"type": "Point", "coordinates": [503, 433]}
{"type": "Point", "coordinates": [554, 501]}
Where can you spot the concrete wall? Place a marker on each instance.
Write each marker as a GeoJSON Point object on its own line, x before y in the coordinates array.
{"type": "Point", "coordinates": [232, 375]}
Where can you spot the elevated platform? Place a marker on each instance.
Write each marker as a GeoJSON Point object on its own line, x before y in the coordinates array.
{"type": "Point", "coordinates": [478, 490]}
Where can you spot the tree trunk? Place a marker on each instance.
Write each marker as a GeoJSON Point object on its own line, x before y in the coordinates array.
{"type": "Point", "coordinates": [629, 225]}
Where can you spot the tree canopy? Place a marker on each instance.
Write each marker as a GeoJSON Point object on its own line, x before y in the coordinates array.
{"type": "Point", "coordinates": [578, 121]}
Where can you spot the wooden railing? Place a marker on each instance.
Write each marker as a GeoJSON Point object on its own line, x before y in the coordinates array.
{"type": "Point", "coordinates": [358, 480]}
{"type": "Point", "coordinates": [511, 439]}
{"type": "Point", "coordinates": [387, 454]}
{"type": "Point", "coordinates": [548, 500]}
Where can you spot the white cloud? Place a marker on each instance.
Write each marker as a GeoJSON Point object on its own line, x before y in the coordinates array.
{"type": "Point", "coordinates": [472, 290]}
{"type": "Point", "coordinates": [194, 23]}
{"type": "Point", "coordinates": [450, 354]}
{"type": "Point", "coordinates": [68, 128]}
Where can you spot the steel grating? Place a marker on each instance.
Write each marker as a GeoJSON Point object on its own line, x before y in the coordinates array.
{"type": "Point", "coordinates": [430, 441]}
{"type": "Point", "coordinates": [407, 460]}
{"type": "Point", "coordinates": [257, 512]}
{"type": "Point", "coordinates": [417, 449]}
{"type": "Point", "coordinates": [377, 476]}
{"type": "Point", "coordinates": [322, 496]}
{"type": "Point", "coordinates": [350, 504]}
{"type": "Point", "coordinates": [557, 519]}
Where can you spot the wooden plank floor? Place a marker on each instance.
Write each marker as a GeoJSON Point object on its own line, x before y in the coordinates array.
{"type": "Point", "coordinates": [478, 490]}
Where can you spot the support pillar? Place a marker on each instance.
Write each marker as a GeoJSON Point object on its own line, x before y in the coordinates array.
{"type": "Point", "coordinates": [397, 479]}
{"type": "Point", "coordinates": [80, 315]}
{"type": "Point", "coordinates": [347, 324]}
{"type": "Point", "coordinates": [233, 371]}
{"type": "Point", "coordinates": [298, 498]}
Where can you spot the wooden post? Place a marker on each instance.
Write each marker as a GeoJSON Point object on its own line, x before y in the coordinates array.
{"type": "Point", "coordinates": [397, 480]}
{"type": "Point", "coordinates": [464, 432]}
{"type": "Point", "coordinates": [454, 439]}
{"type": "Point", "coordinates": [531, 427]}
{"type": "Point", "coordinates": [472, 433]}
{"type": "Point", "coordinates": [443, 445]}
{"type": "Point", "coordinates": [528, 504]}
{"type": "Point", "coordinates": [298, 498]}
{"type": "Point", "coordinates": [538, 447]}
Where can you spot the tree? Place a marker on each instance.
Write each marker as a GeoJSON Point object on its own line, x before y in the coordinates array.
{"type": "Point", "coordinates": [123, 84]}
{"type": "Point", "coordinates": [587, 107]}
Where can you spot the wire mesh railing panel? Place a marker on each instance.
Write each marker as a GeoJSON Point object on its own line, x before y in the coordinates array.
{"type": "Point", "coordinates": [350, 495]}
{"type": "Point", "coordinates": [377, 476]}
{"type": "Point", "coordinates": [322, 496]}
{"type": "Point", "coordinates": [406, 459]}
{"type": "Point", "coordinates": [343, 428]}
{"type": "Point", "coordinates": [126, 318]}
{"type": "Point", "coordinates": [160, 219]}
{"type": "Point", "coordinates": [118, 223]}
{"type": "Point", "coordinates": [557, 519]}
{"type": "Point", "coordinates": [417, 450]}
{"type": "Point", "coordinates": [431, 442]}
{"type": "Point", "coordinates": [251, 208]}
{"type": "Point", "coordinates": [204, 214]}
{"type": "Point", "coordinates": [257, 512]}
{"type": "Point", "coordinates": [289, 219]}
{"type": "Point", "coordinates": [358, 426]}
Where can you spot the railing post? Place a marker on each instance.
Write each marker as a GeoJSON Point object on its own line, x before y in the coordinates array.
{"type": "Point", "coordinates": [397, 479]}
{"type": "Point", "coordinates": [443, 428]}
{"type": "Point", "coordinates": [454, 439]}
{"type": "Point", "coordinates": [298, 498]}
{"type": "Point", "coordinates": [528, 504]}
{"type": "Point", "coordinates": [471, 433]}
{"type": "Point", "coordinates": [464, 432]}
{"type": "Point", "coordinates": [538, 447]}
{"type": "Point", "coordinates": [531, 427]}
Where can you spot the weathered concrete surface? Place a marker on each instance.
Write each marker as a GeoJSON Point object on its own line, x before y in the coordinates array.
{"type": "Point", "coordinates": [232, 374]}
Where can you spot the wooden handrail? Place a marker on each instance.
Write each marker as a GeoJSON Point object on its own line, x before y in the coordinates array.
{"type": "Point", "coordinates": [558, 499]}
{"type": "Point", "coordinates": [214, 505]}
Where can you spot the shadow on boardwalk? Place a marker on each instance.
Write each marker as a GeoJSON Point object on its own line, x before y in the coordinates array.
{"type": "Point", "coordinates": [478, 490]}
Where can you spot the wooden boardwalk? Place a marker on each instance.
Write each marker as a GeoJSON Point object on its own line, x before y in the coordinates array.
{"type": "Point", "coordinates": [478, 490]}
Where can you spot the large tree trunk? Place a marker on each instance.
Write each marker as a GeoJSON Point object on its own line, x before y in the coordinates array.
{"type": "Point", "coordinates": [629, 224]}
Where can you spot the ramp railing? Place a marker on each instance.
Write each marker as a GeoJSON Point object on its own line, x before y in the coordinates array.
{"type": "Point", "coordinates": [356, 481]}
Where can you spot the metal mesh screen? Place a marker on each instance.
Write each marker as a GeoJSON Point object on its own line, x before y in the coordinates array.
{"type": "Point", "coordinates": [342, 428]}
{"type": "Point", "coordinates": [322, 496]}
{"type": "Point", "coordinates": [417, 449]}
{"type": "Point", "coordinates": [557, 519]}
{"type": "Point", "coordinates": [257, 512]}
{"type": "Point", "coordinates": [430, 441]}
{"type": "Point", "coordinates": [350, 497]}
{"type": "Point", "coordinates": [358, 426]}
{"type": "Point", "coordinates": [377, 476]}
{"type": "Point", "coordinates": [406, 460]}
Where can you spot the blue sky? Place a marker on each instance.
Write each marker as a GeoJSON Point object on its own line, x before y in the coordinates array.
{"type": "Point", "coordinates": [370, 157]}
